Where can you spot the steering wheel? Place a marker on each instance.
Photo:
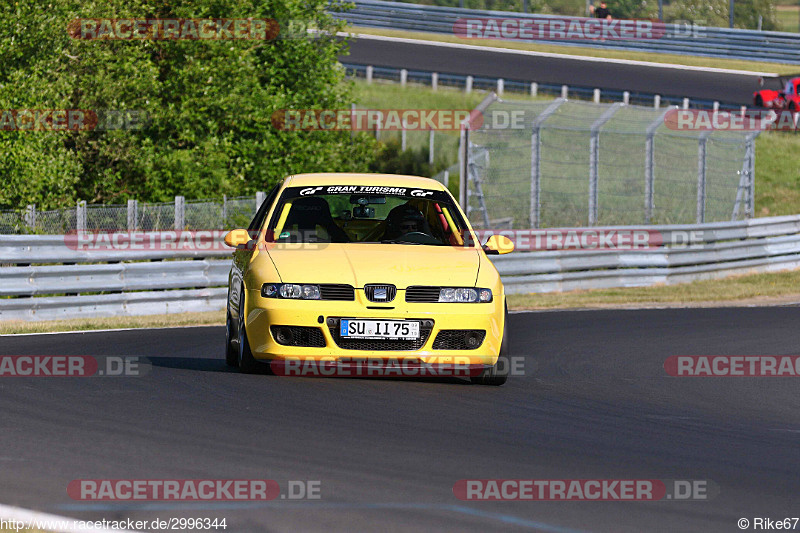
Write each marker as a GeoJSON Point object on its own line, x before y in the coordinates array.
{"type": "Point", "coordinates": [419, 237]}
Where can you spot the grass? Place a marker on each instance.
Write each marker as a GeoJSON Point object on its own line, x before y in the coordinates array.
{"type": "Point", "coordinates": [788, 17]}
{"type": "Point", "coordinates": [777, 287]}
{"type": "Point", "coordinates": [210, 318]}
{"type": "Point", "coordinates": [586, 51]}
{"type": "Point", "coordinates": [777, 174]}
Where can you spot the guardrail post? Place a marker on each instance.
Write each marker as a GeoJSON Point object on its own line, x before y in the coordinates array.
{"type": "Point", "coordinates": [431, 145]}
{"type": "Point", "coordinates": [30, 216]}
{"type": "Point", "coordinates": [80, 216]}
{"type": "Point", "coordinates": [657, 101]}
{"type": "Point", "coordinates": [701, 178]}
{"type": "Point", "coordinates": [434, 81]}
{"type": "Point", "coordinates": [594, 160]}
{"type": "Point", "coordinates": [369, 74]}
{"type": "Point", "coordinates": [649, 166]}
{"type": "Point", "coordinates": [596, 96]}
{"type": "Point", "coordinates": [403, 77]}
{"type": "Point", "coordinates": [468, 85]}
{"type": "Point", "coordinates": [686, 103]}
{"type": "Point", "coordinates": [716, 106]}
{"type": "Point", "coordinates": [224, 211]}
{"type": "Point", "coordinates": [536, 171]}
{"type": "Point", "coordinates": [403, 137]}
{"type": "Point", "coordinates": [626, 97]}
{"type": "Point", "coordinates": [534, 89]}
{"type": "Point", "coordinates": [179, 213]}
{"type": "Point", "coordinates": [133, 214]}
{"type": "Point", "coordinates": [500, 86]}
{"type": "Point", "coordinates": [565, 91]}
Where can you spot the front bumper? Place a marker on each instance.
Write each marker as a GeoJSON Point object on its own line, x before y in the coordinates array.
{"type": "Point", "coordinates": [261, 313]}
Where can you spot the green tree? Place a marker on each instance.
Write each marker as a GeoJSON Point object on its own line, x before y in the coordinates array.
{"type": "Point", "coordinates": [208, 103]}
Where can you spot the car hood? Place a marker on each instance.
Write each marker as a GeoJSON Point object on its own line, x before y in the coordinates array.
{"type": "Point", "coordinates": [360, 264]}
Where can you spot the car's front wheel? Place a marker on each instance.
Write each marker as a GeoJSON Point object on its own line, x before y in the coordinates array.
{"type": "Point", "coordinates": [247, 363]}
{"type": "Point", "coordinates": [231, 354]}
{"type": "Point", "coordinates": [498, 374]}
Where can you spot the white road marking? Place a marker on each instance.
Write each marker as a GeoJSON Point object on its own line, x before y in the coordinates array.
{"type": "Point", "coordinates": [30, 517]}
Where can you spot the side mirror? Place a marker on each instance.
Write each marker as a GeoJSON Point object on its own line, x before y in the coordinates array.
{"type": "Point", "coordinates": [237, 238]}
{"type": "Point", "coordinates": [498, 244]}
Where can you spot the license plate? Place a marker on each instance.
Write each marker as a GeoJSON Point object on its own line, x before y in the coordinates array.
{"type": "Point", "coordinates": [379, 329]}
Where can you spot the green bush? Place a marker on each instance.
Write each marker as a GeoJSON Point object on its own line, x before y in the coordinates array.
{"type": "Point", "coordinates": [209, 103]}
{"type": "Point", "coordinates": [412, 162]}
{"type": "Point", "coordinates": [715, 13]}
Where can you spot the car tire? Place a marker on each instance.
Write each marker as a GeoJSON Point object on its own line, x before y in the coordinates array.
{"type": "Point", "coordinates": [247, 363]}
{"type": "Point", "coordinates": [498, 374]}
{"type": "Point", "coordinates": [231, 354]}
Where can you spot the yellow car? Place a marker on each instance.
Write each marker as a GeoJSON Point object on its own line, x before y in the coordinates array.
{"type": "Point", "coordinates": [365, 267]}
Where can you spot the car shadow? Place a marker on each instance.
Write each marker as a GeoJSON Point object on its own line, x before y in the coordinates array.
{"type": "Point", "coordinates": [198, 364]}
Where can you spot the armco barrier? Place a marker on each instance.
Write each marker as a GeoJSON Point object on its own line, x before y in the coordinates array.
{"type": "Point", "coordinates": [134, 283]}
{"type": "Point", "coordinates": [770, 46]}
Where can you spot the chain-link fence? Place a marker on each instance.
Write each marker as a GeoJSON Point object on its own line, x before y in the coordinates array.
{"type": "Point", "coordinates": [566, 163]}
{"type": "Point", "coordinates": [228, 213]}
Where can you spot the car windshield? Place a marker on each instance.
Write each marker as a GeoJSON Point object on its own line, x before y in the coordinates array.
{"type": "Point", "coordinates": [367, 214]}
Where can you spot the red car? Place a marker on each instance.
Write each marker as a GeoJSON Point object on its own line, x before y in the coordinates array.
{"type": "Point", "coordinates": [786, 96]}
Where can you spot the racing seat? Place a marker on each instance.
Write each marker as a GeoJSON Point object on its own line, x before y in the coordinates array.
{"type": "Point", "coordinates": [306, 215]}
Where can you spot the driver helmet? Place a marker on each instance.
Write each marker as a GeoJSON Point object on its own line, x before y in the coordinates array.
{"type": "Point", "coordinates": [411, 220]}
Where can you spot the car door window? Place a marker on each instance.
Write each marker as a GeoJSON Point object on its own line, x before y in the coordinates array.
{"type": "Point", "coordinates": [258, 220]}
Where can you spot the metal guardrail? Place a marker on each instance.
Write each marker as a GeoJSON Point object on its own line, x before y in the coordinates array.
{"type": "Point", "coordinates": [581, 92]}
{"type": "Point", "coordinates": [681, 39]}
{"type": "Point", "coordinates": [122, 304]}
{"type": "Point", "coordinates": [32, 291]}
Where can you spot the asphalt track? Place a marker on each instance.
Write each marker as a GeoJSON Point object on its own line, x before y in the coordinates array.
{"type": "Point", "coordinates": [726, 87]}
{"type": "Point", "coordinates": [594, 403]}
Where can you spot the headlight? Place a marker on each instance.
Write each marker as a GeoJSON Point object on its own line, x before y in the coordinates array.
{"type": "Point", "coordinates": [465, 295]}
{"type": "Point", "coordinates": [290, 291]}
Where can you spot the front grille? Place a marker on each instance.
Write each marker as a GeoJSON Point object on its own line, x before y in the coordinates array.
{"type": "Point", "coordinates": [456, 339]}
{"type": "Point", "coordinates": [298, 336]}
{"type": "Point", "coordinates": [332, 291]}
{"type": "Point", "coordinates": [382, 345]}
{"type": "Point", "coordinates": [372, 292]}
{"type": "Point", "coordinates": [422, 294]}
